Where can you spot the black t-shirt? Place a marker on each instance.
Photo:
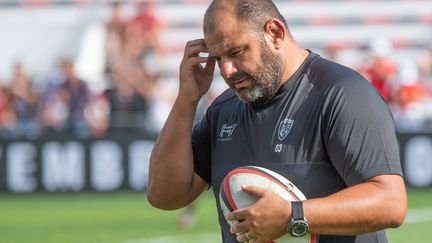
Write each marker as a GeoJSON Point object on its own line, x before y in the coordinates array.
{"type": "Point", "coordinates": [326, 129]}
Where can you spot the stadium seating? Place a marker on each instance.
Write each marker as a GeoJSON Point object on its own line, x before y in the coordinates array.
{"type": "Point", "coordinates": [318, 25]}
{"type": "Point", "coordinates": [39, 31]}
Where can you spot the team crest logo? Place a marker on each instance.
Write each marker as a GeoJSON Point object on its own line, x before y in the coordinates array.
{"type": "Point", "coordinates": [284, 128]}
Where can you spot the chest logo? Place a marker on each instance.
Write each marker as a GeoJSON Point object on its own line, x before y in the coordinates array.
{"type": "Point", "coordinates": [284, 128]}
{"type": "Point", "coordinates": [226, 132]}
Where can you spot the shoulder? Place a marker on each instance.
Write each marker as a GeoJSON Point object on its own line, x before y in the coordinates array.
{"type": "Point", "coordinates": [335, 79]}
{"type": "Point", "coordinates": [224, 106]}
{"type": "Point", "coordinates": [325, 72]}
{"type": "Point", "coordinates": [227, 97]}
{"type": "Point", "coordinates": [346, 94]}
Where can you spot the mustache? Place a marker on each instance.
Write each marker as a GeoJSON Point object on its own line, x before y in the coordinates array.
{"type": "Point", "coordinates": [238, 76]}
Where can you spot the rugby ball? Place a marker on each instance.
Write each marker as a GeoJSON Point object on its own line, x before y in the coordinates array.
{"type": "Point", "coordinates": [232, 197]}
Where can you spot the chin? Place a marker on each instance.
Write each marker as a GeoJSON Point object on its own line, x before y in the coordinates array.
{"type": "Point", "coordinates": [252, 99]}
{"type": "Point", "coordinates": [243, 94]}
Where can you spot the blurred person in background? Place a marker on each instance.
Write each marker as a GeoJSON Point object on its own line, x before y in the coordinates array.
{"type": "Point", "coordinates": [55, 112]}
{"type": "Point", "coordinates": [115, 36]}
{"type": "Point", "coordinates": [97, 114]}
{"type": "Point", "coordinates": [25, 103]}
{"type": "Point", "coordinates": [132, 40]}
{"type": "Point", "coordinates": [425, 69]}
{"type": "Point", "coordinates": [425, 66]}
{"type": "Point", "coordinates": [66, 100]}
{"type": "Point", "coordinates": [331, 51]}
{"type": "Point", "coordinates": [409, 105]}
{"type": "Point", "coordinates": [146, 25]}
{"type": "Point", "coordinates": [161, 97]}
{"type": "Point", "coordinates": [135, 39]}
{"type": "Point", "coordinates": [128, 107]}
{"type": "Point", "coordinates": [379, 67]}
{"type": "Point", "coordinates": [7, 113]}
{"type": "Point", "coordinates": [129, 42]}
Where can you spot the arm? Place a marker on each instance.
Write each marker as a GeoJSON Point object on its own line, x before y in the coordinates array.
{"type": "Point", "coordinates": [375, 204]}
{"type": "Point", "coordinates": [172, 181]}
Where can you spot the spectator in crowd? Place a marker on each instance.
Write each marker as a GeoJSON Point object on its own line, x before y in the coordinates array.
{"type": "Point", "coordinates": [409, 105]}
{"type": "Point", "coordinates": [380, 68]}
{"type": "Point", "coordinates": [129, 43]}
{"type": "Point", "coordinates": [147, 24]}
{"type": "Point", "coordinates": [128, 106]}
{"type": "Point", "coordinates": [25, 103]}
{"type": "Point", "coordinates": [7, 113]}
{"type": "Point", "coordinates": [67, 102]}
{"type": "Point", "coordinates": [331, 51]}
{"type": "Point", "coordinates": [56, 111]}
{"type": "Point", "coordinates": [425, 66]}
{"type": "Point", "coordinates": [115, 36]}
{"type": "Point", "coordinates": [162, 98]}
{"type": "Point", "coordinates": [132, 41]}
{"type": "Point", "coordinates": [139, 98]}
{"type": "Point", "coordinates": [97, 114]}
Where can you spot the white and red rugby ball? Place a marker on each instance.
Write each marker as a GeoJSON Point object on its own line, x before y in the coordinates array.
{"type": "Point", "coordinates": [232, 197]}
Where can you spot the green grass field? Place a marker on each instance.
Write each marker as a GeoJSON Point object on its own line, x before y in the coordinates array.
{"type": "Point", "coordinates": [127, 217]}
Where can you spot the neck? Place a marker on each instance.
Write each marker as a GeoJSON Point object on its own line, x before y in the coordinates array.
{"type": "Point", "coordinates": [293, 59]}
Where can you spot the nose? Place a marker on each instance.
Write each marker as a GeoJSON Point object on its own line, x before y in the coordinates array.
{"type": "Point", "coordinates": [227, 68]}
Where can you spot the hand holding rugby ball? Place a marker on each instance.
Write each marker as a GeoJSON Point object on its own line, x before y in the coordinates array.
{"type": "Point", "coordinates": [232, 197]}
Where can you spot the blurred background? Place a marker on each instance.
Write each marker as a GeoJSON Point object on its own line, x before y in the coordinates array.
{"type": "Point", "coordinates": [86, 86]}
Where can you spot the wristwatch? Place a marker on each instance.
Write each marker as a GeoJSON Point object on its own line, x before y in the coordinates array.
{"type": "Point", "coordinates": [298, 226]}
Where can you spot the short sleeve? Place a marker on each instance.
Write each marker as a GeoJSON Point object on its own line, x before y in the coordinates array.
{"type": "Point", "coordinates": [360, 136]}
{"type": "Point", "coordinates": [201, 146]}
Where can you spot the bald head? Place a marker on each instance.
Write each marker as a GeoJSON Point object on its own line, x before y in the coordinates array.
{"type": "Point", "coordinates": [255, 13]}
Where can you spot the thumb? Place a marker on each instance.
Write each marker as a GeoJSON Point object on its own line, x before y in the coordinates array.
{"type": "Point", "coordinates": [254, 191]}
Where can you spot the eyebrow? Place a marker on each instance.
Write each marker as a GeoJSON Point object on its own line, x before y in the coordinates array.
{"type": "Point", "coordinates": [227, 51]}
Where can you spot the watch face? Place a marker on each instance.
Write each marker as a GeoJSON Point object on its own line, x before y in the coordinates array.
{"type": "Point", "coordinates": [299, 228]}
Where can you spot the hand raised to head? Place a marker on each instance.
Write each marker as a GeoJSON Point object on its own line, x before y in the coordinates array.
{"type": "Point", "coordinates": [195, 79]}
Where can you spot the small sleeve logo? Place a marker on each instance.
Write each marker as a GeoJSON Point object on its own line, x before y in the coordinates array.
{"type": "Point", "coordinates": [226, 132]}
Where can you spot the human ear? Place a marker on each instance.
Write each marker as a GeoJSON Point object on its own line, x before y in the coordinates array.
{"type": "Point", "coordinates": [276, 32]}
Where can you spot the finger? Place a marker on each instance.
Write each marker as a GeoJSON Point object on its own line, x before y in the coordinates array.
{"type": "Point", "coordinates": [195, 42]}
{"type": "Point", "coordinates": [242, 238]}
{"type": "Point", "coordinates": [254, 191]}
{"type": "Point", "coordinates": [192, 45]}
{"type": "Point", "coordinates": [246, 237]}
{"type": "Point", "coordinates": [239, 228]}
{"type": "Point", "coordinates": [239, 215]}
{"type": "Point", "coordinates": [197, 60]}
{"type": "Point", "coordinates": [250, 236]}
{"type": "Point", "coordinates": [210, 66]}
{"type": "Point", "coordinates": [193, 51]}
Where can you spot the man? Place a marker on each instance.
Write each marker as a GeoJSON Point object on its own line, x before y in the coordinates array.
{"type": "Point", "coordinates": [317, 123]}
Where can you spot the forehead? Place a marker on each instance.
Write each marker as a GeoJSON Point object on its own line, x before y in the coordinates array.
{"type": "Point", "coordinates": [226, 33]}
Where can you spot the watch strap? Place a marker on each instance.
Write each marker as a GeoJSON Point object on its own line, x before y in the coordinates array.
{"type": "Point", "coordinates": [297, 210]}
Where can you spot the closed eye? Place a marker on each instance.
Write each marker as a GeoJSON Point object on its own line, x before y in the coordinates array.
{"type": "Point", "coordinates": [237, 52]}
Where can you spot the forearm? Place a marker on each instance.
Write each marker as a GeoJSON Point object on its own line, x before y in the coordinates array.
{"type": "Point", "coordinates": [171, 163]}
{"type": "Point", "coordinates": [363, 208]}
